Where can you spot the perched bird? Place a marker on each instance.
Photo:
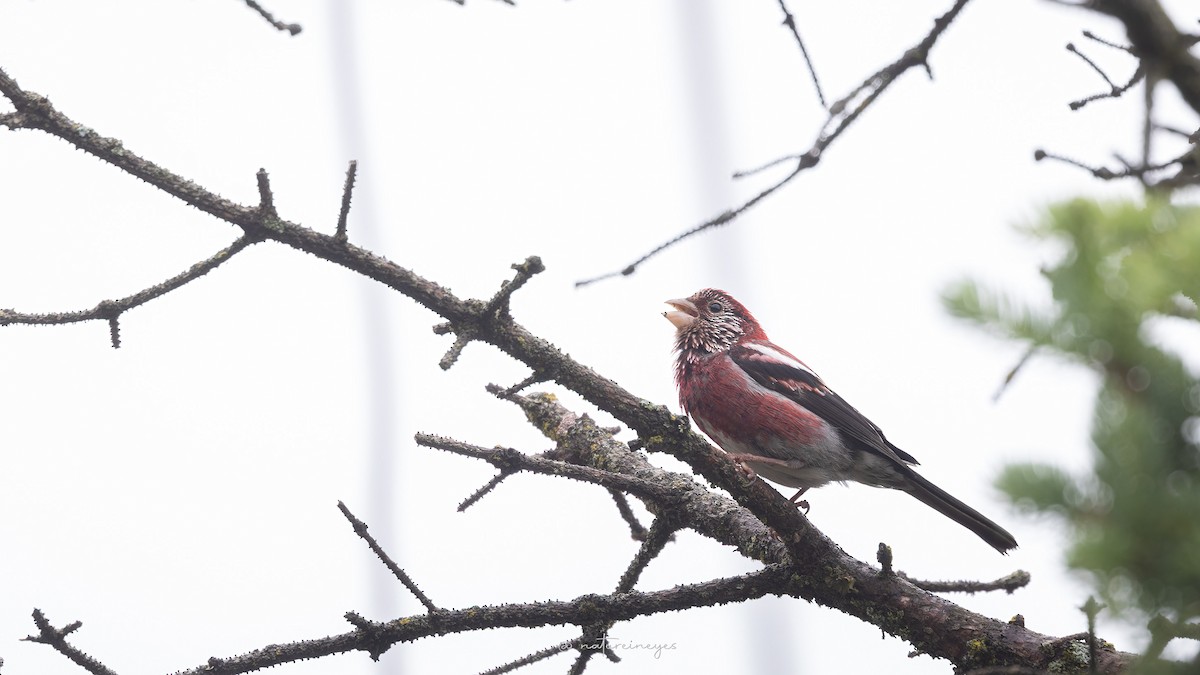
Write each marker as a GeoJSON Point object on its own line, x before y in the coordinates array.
{"type": "Point", "coordinates": [773, 414]}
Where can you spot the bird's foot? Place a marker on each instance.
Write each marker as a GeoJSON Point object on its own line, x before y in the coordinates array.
{"type": "Point", "coordinates": [739, 461]}
{"type": "Point", "coordinates": [801, 504]}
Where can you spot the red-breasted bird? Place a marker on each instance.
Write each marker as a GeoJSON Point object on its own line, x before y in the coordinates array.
{"type": "Point", "coordinates": [773, 414]}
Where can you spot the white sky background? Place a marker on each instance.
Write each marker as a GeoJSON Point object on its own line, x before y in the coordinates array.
{"type": "Point", "coordinates": [178, 495]}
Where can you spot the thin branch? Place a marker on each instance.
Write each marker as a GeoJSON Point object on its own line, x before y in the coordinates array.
{"type": "Point", "coordinates": [1148, 122]}
{"type": "Point", "coordinates": [1075, 50]}
{"type": "Point", "coordinates": [1159, 126]}
{"type": "Point", "coordinates": [661, 532]}
{"type": "Point", "coordinates": [1091, 608]}
{"type": "Point", "coordinates": [594, 640]}
{"type": "Point", "coordinates": [842, 114]}
{"type": "Point", "coordinates": [535, 377]}
{"type": "Point", "coordinates": [114, 331]}
{"type": "Point", "coordinates": [1008, 584]}
{"type": "Point", "coordinates": [884, 555]}
{"type": "Point", "coordinates": [1006, 670]}
{"type": "Point", "coordinates": [110, 310]}
{"type": "Point", "coordinates": [530, 659]}
{"type": "Point", "coordinates": [374, 643]}
{"type": "Point", "coordinates": [746, 173]}
{"type": "Point", "coordinates": [292, 28]}
{"type": "Point", "coordinates": [347, 190]}
{"type": "Point", "coordinates": [461, 341]}
{"type": "Point", "coordinates": [1190, 631]}
{"type": "Point", "coordinates": [1138, 75]}
{"type": "Point", "coordinates": [805, 162]}
{"type": "Point", "coordinates": [637, 531]}
{"type": "Point", "coordinates": [360, 528]}
{"type": "Point", "coordinates": [374, 637]}
{"type": "Point", "coordinates": [57, 638]}
{"type": "Point", "coordinates": [483, 491]}
{"type": "Point", "coordinates": [482, 314]}
{"type": "Point", "coordinates": [510, 461]}
{"type": "Point", "coordinates": [1163, 630]}
{"type": "Point", "coordinates": [525, 271]}
{"type": "Point", "coordinates": [1156, 40]}
{"type": "Point", "coordinates": [1095, 38]}
{"type": "Point", "coordinates": [1104, 173]}
{"type": "Point", "coordinates": [1012, 373]}
{"type": "Point", "coordinates": [583, 447]}
{"type": "Point", "coordinates": [266, 198]}
{"type": "Point", "coordinates": [790, 22]}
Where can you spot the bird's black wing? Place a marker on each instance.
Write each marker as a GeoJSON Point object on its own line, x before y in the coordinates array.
{"type": "Point", "coordinates": [778, 371]}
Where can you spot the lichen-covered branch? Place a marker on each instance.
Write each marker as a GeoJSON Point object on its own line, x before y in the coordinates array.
{"type": "Point", "coordinates": [757, 519]}
{"type": "Point", "coordinates": [376, 637]}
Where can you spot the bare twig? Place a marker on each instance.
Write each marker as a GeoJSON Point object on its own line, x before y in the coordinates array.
{"type": "Point", "coordinates": [530, 659]}
{"type": "Point", "coordinates": [661, 532]}
{"type": "Point", "coordinates": [111, 310]}
{"type": "Point", "coordinates": [1163, 630]}
{"type": "Point", "coordinates": [1012, 373]}
{"type": "Point", "coordinates": [1008, 584]}
{"type": "Point", "coordinates": [1154, 38]}
{"type": "Point", "coordinates": [1108, 43]}
{"type": "Point", "coordinates": [884, 555]}
{"type": "Point", "coordinates": [360, 528]}
{"type": "Point", "coordinates": [347, 190]}
{"type": "Point", "coordinates": [525, 271]}
{"type": "Point", "coordinates": [266, 198]}
{"type": "Point", "coordinates": [1006, 670]}
{"type": "Point", "coordinates": [510, 461]}
{"type": "Point", "coordinates": [1075, 50]}
{"type": "Point", "coordinates": [506, 393]}
{"type": "Point", "coordinates": [842, 114]}
{"type": "Point", "coordinates": [1091, 608]}
{"type": "Point", "coordinates": [57, 638]}
{"type": "Point", "coordinates": [805, 162]}
{"type": "Point", "coordinates": [1104, 173]}
{"type": "Point", "coordinates": [1138, 75]}
{"type": "Point", "coordinates": [790, 22]}
{"type": "Point", "coordinates": [374, 638]}
{"type": "Point", "coordinates": [482, 314]}
{"type": "Point", "coordinates": [746, 173]}
{"type": "Point", "coordinates": [483, 491]}
{"type": "Point", "coordinates": [114, 331]}
{"type": "Point", "coordinates": [451, 356]}
{"type": "Point", "coordinates": [292, 28]}
{"type": "Point", "coordinates": [636, 530]}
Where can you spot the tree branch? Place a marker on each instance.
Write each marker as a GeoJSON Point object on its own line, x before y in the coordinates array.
{"type": "Point", "coordinates": [1161, 46]}
{"type": "Point", "coordinates": [290, 28]}
{"type": "Point", "coordinates": [842, 114]}
{"type": "Point", "coordinates": [377, 637]}
{"type": "Point", "coordinates": [111, 310]}
{"type": "Point", "coordinates": [763, 524]}
{"type": "Point", "coordinates": [57, 638]}
{"type": "Point", "coordinates": [360, 528]}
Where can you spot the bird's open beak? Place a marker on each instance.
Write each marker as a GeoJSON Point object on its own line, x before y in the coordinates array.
{"type": "Point", "coordinates": [684, 314]}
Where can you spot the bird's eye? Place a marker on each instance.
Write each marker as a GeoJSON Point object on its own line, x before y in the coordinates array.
{"type": "Point", "coordinates": [714, 307]}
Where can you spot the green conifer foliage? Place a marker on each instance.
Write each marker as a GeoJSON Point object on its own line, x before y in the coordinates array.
{"type": "Point", "coordinates": [1135, 520]}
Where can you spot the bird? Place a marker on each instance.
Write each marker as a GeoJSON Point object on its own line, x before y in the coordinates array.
{"type": "Point", "coordinates": [772, 414]}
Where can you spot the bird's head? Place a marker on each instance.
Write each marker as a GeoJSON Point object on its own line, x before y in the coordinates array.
{"type": "Point", "coordinates": [710, 322]}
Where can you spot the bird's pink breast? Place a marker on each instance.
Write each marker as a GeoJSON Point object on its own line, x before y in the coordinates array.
{"type": "Point", "coordinates": [734, 410]}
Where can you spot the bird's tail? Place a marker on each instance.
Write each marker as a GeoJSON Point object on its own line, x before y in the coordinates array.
{"type": "Point", "coordinates": [997, 537]}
